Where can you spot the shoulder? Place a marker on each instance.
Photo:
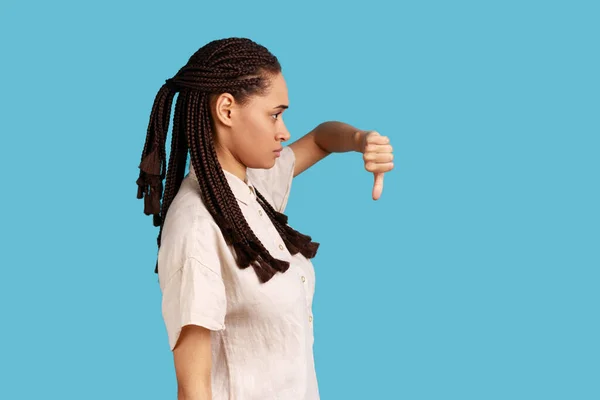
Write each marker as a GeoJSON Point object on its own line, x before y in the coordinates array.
{"type": "Point", "coordinates": [189, 231]}
{"type": "Point", "coordinates": [186, 202]}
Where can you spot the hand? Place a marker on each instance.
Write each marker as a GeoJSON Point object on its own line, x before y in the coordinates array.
{"type": "Point", "coordinates": [378, 157]}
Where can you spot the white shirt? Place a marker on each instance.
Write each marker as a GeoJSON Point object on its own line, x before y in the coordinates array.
{"type": "Point", "coordinates": [261, 334]}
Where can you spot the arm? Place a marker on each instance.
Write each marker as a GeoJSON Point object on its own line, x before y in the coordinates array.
{"type": "Point", "coordinates": [192, 356]}
{"type": "Point", "coordinates": [338, 137]}
{"type": "Point", "coordinates": [328, 137]}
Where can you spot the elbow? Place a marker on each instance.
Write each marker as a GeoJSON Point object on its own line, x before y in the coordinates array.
{"type": "Point", "coordinates": [200, 391]}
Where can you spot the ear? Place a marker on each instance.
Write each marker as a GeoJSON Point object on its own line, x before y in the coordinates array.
{"type": "Point", "coordinates": [224, 105]}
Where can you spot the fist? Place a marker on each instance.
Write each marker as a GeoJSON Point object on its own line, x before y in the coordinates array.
{"type": "Point", "coordinates": [378, 158]}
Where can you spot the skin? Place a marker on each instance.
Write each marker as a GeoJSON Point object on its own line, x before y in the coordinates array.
{"type": "Point", "coordinates": [338, 137]}
{"type": "Point", "coordinates": [193, 360]}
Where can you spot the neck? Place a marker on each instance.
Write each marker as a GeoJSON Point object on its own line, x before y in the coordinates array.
{"type": "Point", "coordinates": [230, 164]}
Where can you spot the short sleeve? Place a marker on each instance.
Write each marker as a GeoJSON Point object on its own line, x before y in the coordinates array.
{"type": "Point", "coordinates": [276, 182]}
{"type": "Point", "coordinates": [194, 295]}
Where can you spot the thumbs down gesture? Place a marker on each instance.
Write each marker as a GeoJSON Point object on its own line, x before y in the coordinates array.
{"type": "Point", "coordinates": [378, 157]}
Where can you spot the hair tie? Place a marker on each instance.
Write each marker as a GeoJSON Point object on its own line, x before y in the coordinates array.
{"type": "Point", "coordinates": [172, 85]}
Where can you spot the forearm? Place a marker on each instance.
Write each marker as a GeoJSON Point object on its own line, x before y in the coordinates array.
{"type": "Point", "coordinates": [193, 363]}
{"type": "Point", "coordinates": [338, 137]}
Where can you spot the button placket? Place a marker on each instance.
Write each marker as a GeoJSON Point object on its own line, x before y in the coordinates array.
{"type": "Point", "coordinates": [306, 290]}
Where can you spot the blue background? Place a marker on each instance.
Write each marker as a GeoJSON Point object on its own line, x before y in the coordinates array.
{"type": "Point", "coordinates": [475, 276]}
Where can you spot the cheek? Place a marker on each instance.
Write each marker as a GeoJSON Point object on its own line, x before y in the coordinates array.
{"type": "Point", "coordinates": [258, 130]}
{"type": "Point", "coordinates": [254, 142]}
{"type": "Point", "coordinates": [251, 134]}
{"type": "Point", "coordinates": [244, 132]}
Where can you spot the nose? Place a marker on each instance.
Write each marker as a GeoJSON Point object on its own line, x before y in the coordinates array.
{"type": "Point", "coordinates": [283, 135]}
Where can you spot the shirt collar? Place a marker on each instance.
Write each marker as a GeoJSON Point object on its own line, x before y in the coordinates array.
{"type": "Point", "coordinates": [243, 191]}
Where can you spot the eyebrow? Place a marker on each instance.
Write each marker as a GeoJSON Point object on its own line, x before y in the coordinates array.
{"type": "Point", "coordinates": [282, 106]}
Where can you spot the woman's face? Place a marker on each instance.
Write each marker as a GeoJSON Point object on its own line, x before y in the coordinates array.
{"type": "Point", "coordinates": [253, 133]}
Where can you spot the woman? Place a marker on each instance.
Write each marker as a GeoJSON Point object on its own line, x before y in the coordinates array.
{"type": "Point", "coordinates": [237, 332]}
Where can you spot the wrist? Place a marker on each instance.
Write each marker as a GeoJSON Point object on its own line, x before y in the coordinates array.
{"type": "Point", "coordinates": [359, 140]}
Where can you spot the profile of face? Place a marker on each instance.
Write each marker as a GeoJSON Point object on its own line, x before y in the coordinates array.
{"type": "Point", "coordinates": [250, 135]}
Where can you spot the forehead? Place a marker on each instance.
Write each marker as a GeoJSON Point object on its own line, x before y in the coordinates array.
{"type": "Point", "coordinates": [277, 93]}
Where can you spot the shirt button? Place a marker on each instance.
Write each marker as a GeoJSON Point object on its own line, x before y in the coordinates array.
{"type": "Point", "coordinates": [280, 247]}
{"type": "Point", "coordinates": [260, 212]}
{"type": "Point", "coordinates": [303, 279]}
{"type": "Point", "coordinates": [310, 318]}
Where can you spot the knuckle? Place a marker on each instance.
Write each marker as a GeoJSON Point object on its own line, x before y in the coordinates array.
{"type": "Point", "coordinates": [372, 135]}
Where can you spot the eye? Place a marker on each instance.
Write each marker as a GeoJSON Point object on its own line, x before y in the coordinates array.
{"type": "Point", "coordinates": [276, 115]}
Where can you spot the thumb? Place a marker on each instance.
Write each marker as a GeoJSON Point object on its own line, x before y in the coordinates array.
{"type": "Point", "coordinates": [377, 185]}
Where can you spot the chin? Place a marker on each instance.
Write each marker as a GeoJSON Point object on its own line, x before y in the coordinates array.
{"type": "Point", "coordinates": [268, 165]}
{"type": "Point", "coordinates": [272, 163]}
{"type": "Point", "coordinates": [263, 164]}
